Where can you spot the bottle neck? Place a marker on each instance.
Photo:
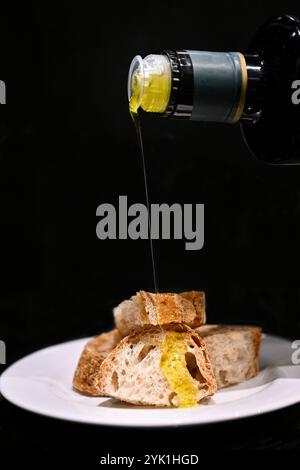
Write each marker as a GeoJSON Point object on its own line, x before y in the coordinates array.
{"type": "Point", "coordinates": [181, 100]}
{"type": "Point", "coordinates": [223, 87]}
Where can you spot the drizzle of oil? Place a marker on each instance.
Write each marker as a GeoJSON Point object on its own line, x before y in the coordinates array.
{"type": "Point", "coordinates": [137, 124]}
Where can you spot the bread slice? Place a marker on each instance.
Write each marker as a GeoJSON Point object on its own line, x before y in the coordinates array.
{"type": "Point", "coordinates": [87, 372]}
{"type": "Point", "coordinates": [233, 352]}
{"type": "Point", "coordinates": [145, 309]}
{"type": "Point", "coordinates": [160, 367]}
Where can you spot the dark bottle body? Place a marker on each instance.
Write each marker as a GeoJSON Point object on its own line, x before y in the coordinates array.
{"type": "Point", "coordinates": [275, 135]}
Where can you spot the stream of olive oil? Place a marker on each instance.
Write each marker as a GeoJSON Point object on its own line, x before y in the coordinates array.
{"type": "Point", "coordinates": [137, 125]}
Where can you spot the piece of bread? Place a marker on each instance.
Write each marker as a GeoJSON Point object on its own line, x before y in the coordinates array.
{"type": "Point", "coordinates": [233, 352]}
{"type": "Point", "coordinates": [95, 351]}
{"type": "Point", "coordinates": [158, 366]}
{"type": "Point", "coordinates": [145, 309]}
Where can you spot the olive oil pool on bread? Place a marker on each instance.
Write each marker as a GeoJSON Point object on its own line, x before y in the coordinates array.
{"type": "Point", "coordinates": [259, 89]}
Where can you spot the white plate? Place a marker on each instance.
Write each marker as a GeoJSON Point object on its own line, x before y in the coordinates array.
{"type": "Point", "coordinates": [42, 383]}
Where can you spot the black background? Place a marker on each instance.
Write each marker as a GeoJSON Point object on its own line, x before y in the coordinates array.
{"type": "Point", "coordinates": [67, 145]}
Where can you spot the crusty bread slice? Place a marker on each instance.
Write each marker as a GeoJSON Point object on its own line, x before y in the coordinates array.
{"type": "Point", "coordinates": [233, 352]}
{"type": "Point", "coordinates": [133, 371]}
{"type": "Point", "coordinates": [87, 372]}
{"type": "Point", "coordinates": [144, 309]}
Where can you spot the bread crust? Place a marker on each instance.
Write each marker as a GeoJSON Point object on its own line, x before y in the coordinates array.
{"type": "Point", "coordinates": [87, 372]}
{"type": "Point", "coordinates": [145, 309]}
{"type": "Point", "coordinates": [257, 334]}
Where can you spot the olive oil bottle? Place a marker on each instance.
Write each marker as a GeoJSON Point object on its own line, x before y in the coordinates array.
{"type": "Point", "coordinates": [257, 89]}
